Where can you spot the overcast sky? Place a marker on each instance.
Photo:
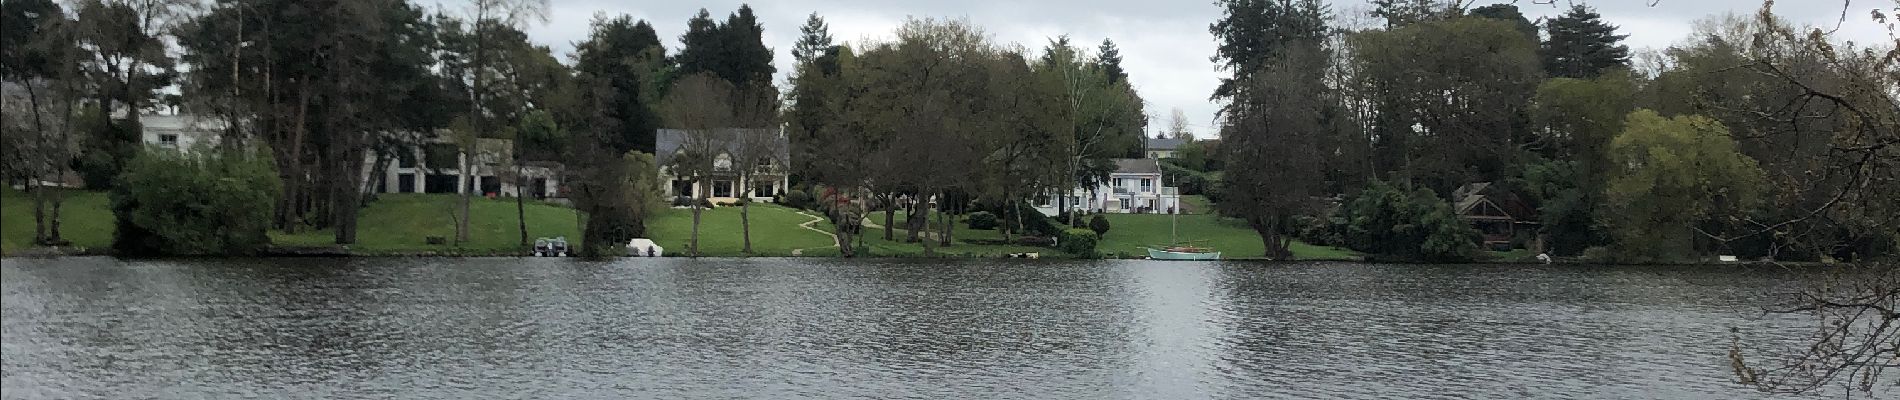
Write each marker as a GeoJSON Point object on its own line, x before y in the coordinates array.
{"type": "Point", "coordinates": [1165, 44]}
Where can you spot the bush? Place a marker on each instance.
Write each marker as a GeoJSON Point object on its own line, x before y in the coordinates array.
{"type": "Point", "coordinates": [983, 221]}
{"type": "Point", "coordinates": [1080, 242]}
{"type": "Point", "coordinates": [798, 199]}
{"type": "Point", "coordinates": [1416, 226]}
{"type": "Point", "coordinates": [1099, 224]}
{"type": "Point", "coordinates": [169, 203]}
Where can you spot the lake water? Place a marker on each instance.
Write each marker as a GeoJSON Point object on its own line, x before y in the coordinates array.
{"type": "Point", "coordinates": [819, 328]}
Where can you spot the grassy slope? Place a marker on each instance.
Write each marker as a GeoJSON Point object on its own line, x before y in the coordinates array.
{"type": "Point", "coordinates": [86, 220]}
{"type": "Point", "coordinates": [1129, 233]}
{"type": "Point", "coordinates": [775, 231]}
{"type": "Point", "coordinates": [400, 222]}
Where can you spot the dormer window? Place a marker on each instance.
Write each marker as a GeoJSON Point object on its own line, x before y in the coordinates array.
{"type": "Point", "coordinates": [722, 163]}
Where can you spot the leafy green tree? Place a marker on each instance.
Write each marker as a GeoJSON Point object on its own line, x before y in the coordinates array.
{"type": "Point", "coordinates": [1507, 13]}
{"type": "Point", "coordinates": [1575, 119]}
{"type": "Point", "coordinates": [1452, 100]}
{"type": "Point", "coordinates": [1581, 45]}
{"type": "Point", "coordinates": [1673, 177]}
{"type": "Point", "coordinates": [617, 70]}
{"type": "Point", "coordinates": [128, 64]}
{"type": "Point", "coordinates": [1272, 139]}
{"type": "Point", "coordinates": [212, 203]}
{"type": "Point", "coordinates": [44, 60]}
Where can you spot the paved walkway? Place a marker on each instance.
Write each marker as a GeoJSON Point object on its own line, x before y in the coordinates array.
{"type": "Point", "coordinates": [808, 225]}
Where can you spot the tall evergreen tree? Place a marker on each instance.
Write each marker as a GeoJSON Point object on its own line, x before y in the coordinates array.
{"type": "Point", "coordinates": [747, 62]}
{"type": "Point", "coordinates": [1253, 33]}
{"type": "Point", "coordinates": [700, 45]}
{"type": "Point", "coordinates": [814, 40]}
{"type": "Point", "coordinates": [1581, 45]}
{"type": "Point", "coordinates": [1110, 60]}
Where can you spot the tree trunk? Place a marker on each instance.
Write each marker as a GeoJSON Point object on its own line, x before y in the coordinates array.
{"type": "Point", "coordinates": [949, 224]}
{"type": "Point", "coordinates": [59, 198]}
{"type": "Point", "coordinates": [841, 226]}
{"type": "Point", "coordinates": [39, 208]}
{"type": "Point", "coordinates": [914, 218]}
{"type": "Point", "coordinates": [469, 184]}
{"type": "Point", "coordinates": [1003, 220]}
{"type": "Point", "coordinates": [890, 217]}
{"type": "Point", "coordinates": [923, 211]}
{"type": "Point", "coordinates": [521, 207]}
{"type": "Point", "coordinates": [745, 224]}
{"type": "Point", "coordinates": [694, 246]}
{"type": "Point", "coordinates": [1268, 228]}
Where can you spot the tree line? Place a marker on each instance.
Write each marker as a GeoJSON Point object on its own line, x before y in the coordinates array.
{"type": "Point", "coordinates": [1752, 137]}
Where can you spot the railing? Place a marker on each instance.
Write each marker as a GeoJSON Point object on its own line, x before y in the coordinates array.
{"type": "Point", "coordinates": [1122, 190]}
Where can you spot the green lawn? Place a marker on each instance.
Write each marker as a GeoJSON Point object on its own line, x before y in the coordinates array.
{"type": "Point", "coordinates": [775, 232]}
{"type": "Point", "coordinates": [1130, 233]}
{"type": "Point", "coordinates": [86, 220]}
{"type": "Point", "coordinates": [402, 223]}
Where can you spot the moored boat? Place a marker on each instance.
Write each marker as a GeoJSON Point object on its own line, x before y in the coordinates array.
{"type": "Point", "coordinates": [1183, 253]}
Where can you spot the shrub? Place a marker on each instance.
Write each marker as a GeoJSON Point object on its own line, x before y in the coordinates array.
{"type": "Point", "coordinates": [983, 221]}
{"type": "Point", "coordinates": [1416, 226]}
{"type": "Point", "coordinates": [1099, 224]}
{"type": "Point", "coordinates": [1080, 242]}
{"type": "Point", "coordinates": [798, 199]}
{"type": "Point", "coordinates": [169, 203]}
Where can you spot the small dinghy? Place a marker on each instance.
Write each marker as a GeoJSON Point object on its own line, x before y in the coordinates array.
{"type": "Point", "coordinates": [1183, 253]}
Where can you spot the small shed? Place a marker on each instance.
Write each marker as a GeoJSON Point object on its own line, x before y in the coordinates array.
{"type": "Point", "coordinates": [1496, 213]}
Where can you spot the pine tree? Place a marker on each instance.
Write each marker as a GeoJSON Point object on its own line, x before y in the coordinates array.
{"type": "Point", "coordinates": [748, 63]}
{"type": "Point", "coordinates": [1581, 45]}
{"type": "Point", "coordinates": [1110, 61]}
{"type": "Point", "coordinates": [1255, 33]}
{"type": "Point", "coordinates": [814, 40]}
{"type": "Point", "coordinates": [700, 45]}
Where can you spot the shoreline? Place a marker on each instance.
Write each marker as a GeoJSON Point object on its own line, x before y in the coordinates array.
{"type": "Point", "coordinates": [55, 253]}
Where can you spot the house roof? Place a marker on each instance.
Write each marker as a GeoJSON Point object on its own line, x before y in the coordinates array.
{"type": "Point", "coordinates": [1468, 199]}
{"type": "Point", "coordinates": [1137, 166]}
{"type": "Point", "coordinates": [668, 142]}
{"type": "Point", "coordinates": [1165, 144]}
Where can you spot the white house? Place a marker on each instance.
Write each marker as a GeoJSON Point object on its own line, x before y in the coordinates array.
{"type": "Point", "coordinates": [770, 178]}
{"type": "Point", "coordinates": [436, 167]}
{"type": "Point", "coordinates": [181, 131]}
{"type": "Point", "coordinates": [1134, 187]}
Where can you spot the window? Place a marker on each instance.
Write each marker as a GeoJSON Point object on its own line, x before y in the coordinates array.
{"type": "Point", "coordinates": [1125, 204]}
{"type": "Point", "coordinates": [439, 183]}
{"type": "Point", "coordinates": [405, 160]}
{"type": "Point", "coordinates": [723, 163]}
{"type": "Point", "coordinates": [683, 188]}
{"type": "Point", "coordinates": [1121, 182]}
{"type": "Point", "coordinates": [441, 156]}
{"type": "Point", "coordinates": [722, 188]}
{"type": "Point", "coordinates": [763, 189]}
{"type": "Point", "coordinates": [1147, 185]}
{"type": "Point", "coordinates": [405, 183]}
{"type": "Point", "coordinates": [490, 186]}
{"type": "Point", "coordinates": [168, 139]}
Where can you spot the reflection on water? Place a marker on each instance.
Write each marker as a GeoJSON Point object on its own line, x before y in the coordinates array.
{"type": "Point", "coordinates": [811, 328]}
